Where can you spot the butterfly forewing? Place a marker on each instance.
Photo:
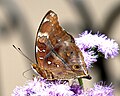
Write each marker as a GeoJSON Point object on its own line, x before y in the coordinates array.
{"type": "Point", "coordinates": [56, 51]}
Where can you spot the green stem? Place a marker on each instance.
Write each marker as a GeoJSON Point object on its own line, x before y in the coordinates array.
{"type": "Point", "coordinates": [80, 81]}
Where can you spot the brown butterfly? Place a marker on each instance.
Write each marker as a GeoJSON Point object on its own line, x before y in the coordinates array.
{"type": "Point", "coordinates": [57, 55]}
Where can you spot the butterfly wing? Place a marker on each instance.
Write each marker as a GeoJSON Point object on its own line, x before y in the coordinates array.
{"type": "Point", "coordinates": [56, 51]}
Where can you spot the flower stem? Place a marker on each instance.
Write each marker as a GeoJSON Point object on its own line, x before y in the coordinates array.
{"type": "Point", "coordinates": [80, 81]}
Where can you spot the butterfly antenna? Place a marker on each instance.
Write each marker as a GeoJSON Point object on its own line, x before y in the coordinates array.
{"type": "Point", "coordinates": [20, 51]}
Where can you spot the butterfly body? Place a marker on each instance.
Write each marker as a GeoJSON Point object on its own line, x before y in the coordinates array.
{"type": "Point", "coordinates": [56, 53]}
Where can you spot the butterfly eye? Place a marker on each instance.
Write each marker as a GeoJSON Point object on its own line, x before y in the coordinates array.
{"type": "Point", "coordinates": [76, 67]}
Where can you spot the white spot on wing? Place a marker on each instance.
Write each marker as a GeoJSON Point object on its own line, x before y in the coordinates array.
{"type": "Point", "coordinates": [43, 50]}
{"type": "Point", "coordinates": [52, 24]}
{"type": "Point", "coordinates": [59, 40]}
{"type": "Point", "coordinates": [37, 49]}
{"type": "Point", "coordinates": [52, 14]}
{"type": "Point", "coordinates": [67, 43]}
{"type": "Point", "coordinates": [40, 34]}
{"type": "Point", "coordinates": [58, 65]}
{"type": "Point", "coordinates": [41, 58]}
{"type": "Point", "coordinates": [45, 20]}
{"type": "Point", "coordinates": [49, 62]}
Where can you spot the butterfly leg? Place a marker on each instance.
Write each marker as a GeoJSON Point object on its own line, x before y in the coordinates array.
{"type": "Point", "coordinates": [46, 74]}
{"type": "Point", "coordinates": [39, 70]}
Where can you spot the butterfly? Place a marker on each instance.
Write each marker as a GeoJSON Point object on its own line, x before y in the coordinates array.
{"type": "Point", "coordinates": [56, 53]}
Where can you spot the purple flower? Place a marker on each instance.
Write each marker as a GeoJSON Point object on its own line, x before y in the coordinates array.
{"type": "Point", "coordinates": [99, 90]}
{"type": "Point", "coordinates": [41, 87]}
{"type": "Point", "coordinates": [106, 46]}
{"type": "Point", "coordinates": [89, 58]}
{"type": "Point", "coordinates": [77, 89]}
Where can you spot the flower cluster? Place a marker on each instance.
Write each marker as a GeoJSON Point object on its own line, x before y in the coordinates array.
{"type": "Point", "coordinates": [91, 45]}
{"type": "Point", "coordinates": [39, 87]}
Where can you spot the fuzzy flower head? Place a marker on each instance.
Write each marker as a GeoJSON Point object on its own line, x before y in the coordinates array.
{"type": "Point", "coordinates": [40, 87]}
{"type": "Point", "coordinates": [99, 90]}
{"type": "Point", "coordinates": [95, 46]}
{"type": "Point", "coordinates": [105, 45]}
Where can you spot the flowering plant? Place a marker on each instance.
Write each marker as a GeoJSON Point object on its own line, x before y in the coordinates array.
{"type": "Point", "coordinates": [92, 47]}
